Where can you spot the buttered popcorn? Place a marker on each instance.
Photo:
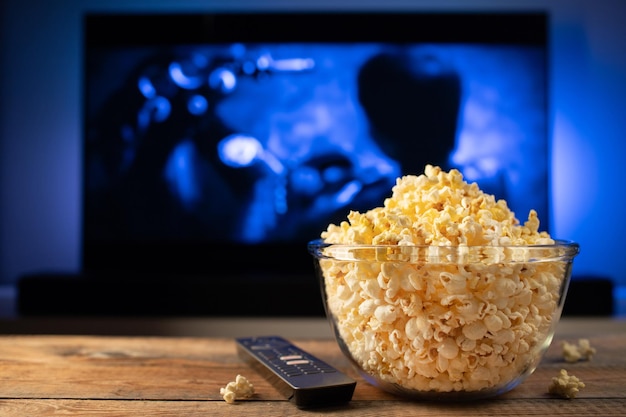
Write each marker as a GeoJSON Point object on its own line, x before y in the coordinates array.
{"type": "Point", "coordinates": [237, 389]}
{"type": "Point", "coordinates": [453, 301]}
{"type": "Point", "coordinates": [565, 385]}
{"type": "Point", "coordinates": [438, 208]}
{"type": "Point", "coordinates": [580, 351]}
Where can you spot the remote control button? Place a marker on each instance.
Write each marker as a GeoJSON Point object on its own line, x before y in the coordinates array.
{"type": "Point", "coordinates": [298, 362]}
{"type": "Point", "coordinates": [260, 347]}
{"type": "Point", "coordinates": [290, 357]}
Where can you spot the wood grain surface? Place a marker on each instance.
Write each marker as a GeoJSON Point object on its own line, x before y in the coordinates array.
{"type": "Point", "coordinates": [53, 375]}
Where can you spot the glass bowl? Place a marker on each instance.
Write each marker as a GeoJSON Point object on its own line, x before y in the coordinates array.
{"type": "Point", "coordinates": [444, 322]}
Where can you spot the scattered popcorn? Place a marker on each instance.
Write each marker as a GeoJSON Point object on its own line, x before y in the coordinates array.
{"type": "Point", "coordinates": [565, 385]}
{"type": "Point", "coordinates": [576, 352]}
{"type": "Point", "coordinates": [464, 322]}
{"type": "Point", "coordinates": [238, 389]}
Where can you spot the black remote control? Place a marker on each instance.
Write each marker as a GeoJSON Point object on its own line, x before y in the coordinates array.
{"type": "Point", "coordinates": [301, 377]}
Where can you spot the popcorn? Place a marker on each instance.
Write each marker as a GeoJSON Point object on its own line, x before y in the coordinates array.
{"type": "Point", "coordinates": [438, 208]}
{"type": "Point", "coordinates": [565, 385]}
{"type": "Point", "coordinates": [576, 352]}
{"type": "Point", "coordinates": [430, 311]}
{"type": "Point", "coordinates": [240, 388]}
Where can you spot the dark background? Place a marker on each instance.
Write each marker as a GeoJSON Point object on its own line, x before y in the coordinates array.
{"type": "Point", "coordinates": [40, 151]}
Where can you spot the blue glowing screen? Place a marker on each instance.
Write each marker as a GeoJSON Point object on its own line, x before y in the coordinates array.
{"type": "Point", "coordinates": [268, 142]}
{"type": "Point", "coordinates": [253, 130]}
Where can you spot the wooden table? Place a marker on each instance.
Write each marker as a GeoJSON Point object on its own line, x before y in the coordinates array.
{"type": "Point", "coordinates": [63, 375]}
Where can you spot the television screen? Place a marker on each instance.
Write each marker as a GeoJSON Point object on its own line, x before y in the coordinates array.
{"type": "Point", "coordinates": [216, 145]}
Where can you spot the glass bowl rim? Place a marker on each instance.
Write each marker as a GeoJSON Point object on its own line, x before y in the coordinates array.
{"type": "Point", "coordinates": [560, 249]}
{"type": "Point", "coordinates": [319, 242]}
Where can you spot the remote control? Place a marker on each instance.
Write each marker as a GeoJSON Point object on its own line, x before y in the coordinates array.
{"type": "Point", "coordinates": [301, 377]}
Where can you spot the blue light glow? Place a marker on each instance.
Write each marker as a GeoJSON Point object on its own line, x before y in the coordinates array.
{"type": "Point", "coordinates": [223, 79]}
{"type": "Point", "coordinates": [180, 176]}
{"type": "Point", "coordinates": [197, 105]}
{"type": "Point", "coordinates": [239, 150]}
{"type": "Point", "coordinates": [349, 192]}
{"type": "Point", "coordinates": [183, 80]}
{"type": "Point", "coordinates": [145, 86]}
{"type": "Point", "coordinates": [156, 110]}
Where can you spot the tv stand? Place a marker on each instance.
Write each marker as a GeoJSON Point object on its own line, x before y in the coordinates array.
{"type": "Point", "coordinates": [131, 295]}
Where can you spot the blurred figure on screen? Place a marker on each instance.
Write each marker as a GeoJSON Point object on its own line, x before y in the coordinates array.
{"type": "Point", "coordinates": [412, 102]}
